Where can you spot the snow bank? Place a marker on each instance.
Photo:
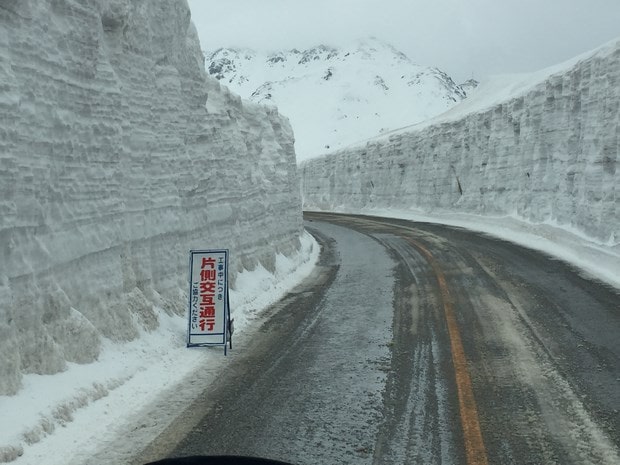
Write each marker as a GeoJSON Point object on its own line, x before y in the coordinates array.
{"type": "Point", "coordinates": [117, 155]}
{"type": "Point", "coordinates": [106, 411]}
{"type": "Point", "coordinates": [542, 150]}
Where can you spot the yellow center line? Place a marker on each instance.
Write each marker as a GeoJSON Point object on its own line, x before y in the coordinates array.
{"type": "Point", "coordinates": [472, 435]}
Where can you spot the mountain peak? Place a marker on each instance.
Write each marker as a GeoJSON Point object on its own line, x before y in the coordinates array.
{"type": "Point", "coordinates": [337, 96]}
{"type": "Point", "coordinates": [318, 53]}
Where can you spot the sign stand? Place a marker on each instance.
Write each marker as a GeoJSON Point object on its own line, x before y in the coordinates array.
{"type": "Point", "coordinates": [209, 308]}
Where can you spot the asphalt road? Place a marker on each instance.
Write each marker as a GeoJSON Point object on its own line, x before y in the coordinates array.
{"type": "Point", "coordinates": [415, 343]}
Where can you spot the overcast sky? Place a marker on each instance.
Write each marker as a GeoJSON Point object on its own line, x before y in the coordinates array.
{"type": "Point", "coordinates": [464, 38]}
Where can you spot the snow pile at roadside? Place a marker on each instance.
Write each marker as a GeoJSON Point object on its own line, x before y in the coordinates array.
{"type": "Point", "coordinates": [542, 150]}
{"type": "Point", "coordinates": [118, 155]}
{"type": "Point", "coordinates": [68, 417]}
{"type": "Point", "coordinates": [596, 259]}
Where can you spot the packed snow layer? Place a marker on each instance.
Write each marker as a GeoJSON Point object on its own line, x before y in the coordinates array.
{"type": "Point", "coordinates": [105, 412]}
{"type": "Point", "coordinates": [543, 149]}
{"type": "Point", "coordinates": [113, 165]}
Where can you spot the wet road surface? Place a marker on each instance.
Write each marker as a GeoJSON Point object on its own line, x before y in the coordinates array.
{"type": "Point", "coordinates": [415, 343]}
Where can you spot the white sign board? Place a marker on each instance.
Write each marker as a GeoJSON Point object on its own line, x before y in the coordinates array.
{"type": "Point", "coordinates": [208, 298]}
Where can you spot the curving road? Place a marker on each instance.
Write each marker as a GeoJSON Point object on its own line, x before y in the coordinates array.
{"type": "Point", "coordinates": [415, 343]}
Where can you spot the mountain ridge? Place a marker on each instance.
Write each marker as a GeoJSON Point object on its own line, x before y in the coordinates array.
{"type": "Point", "coordinates": [337, 96]}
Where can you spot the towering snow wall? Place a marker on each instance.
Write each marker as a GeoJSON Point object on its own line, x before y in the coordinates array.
{"type": "Point", "coordinates": [546, 153]}
{"type": "Point", "coordinates": [117, 155]}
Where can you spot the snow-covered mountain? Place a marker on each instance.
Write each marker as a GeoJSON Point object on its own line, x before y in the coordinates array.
{"type": "Point", "coordinates": [334, 97]}
{"type": "Point", "coordinates": [540, 147]}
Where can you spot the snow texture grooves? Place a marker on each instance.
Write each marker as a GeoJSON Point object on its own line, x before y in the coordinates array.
{"type": "Point", "coordinates": [117, 155]}
{"type": "Point", "coordinates": [545, 151]}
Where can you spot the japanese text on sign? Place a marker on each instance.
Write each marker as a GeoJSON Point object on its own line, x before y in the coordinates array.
{"type": "Point", "coordinates": [208, 297]}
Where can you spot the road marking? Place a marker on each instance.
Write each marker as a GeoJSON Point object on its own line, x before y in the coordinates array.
{"type": "Point", "coordinates": [472, 435]}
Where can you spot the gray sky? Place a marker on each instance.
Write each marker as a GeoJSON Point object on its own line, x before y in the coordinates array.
{"type": "Point", "coordinates": [464, 38]}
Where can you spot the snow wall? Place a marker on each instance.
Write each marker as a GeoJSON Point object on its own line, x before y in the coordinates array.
{"type": "Point", "coordinates": [547, 150]}
{"type": "Point", "coordinates": [117, 156]}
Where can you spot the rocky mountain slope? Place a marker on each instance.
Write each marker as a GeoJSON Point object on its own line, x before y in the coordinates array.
{"type": "Point", "coordinates": [334, 97]}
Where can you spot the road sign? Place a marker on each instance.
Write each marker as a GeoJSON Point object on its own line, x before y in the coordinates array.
{"type": "Point", "coordinates": [209, 310]}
